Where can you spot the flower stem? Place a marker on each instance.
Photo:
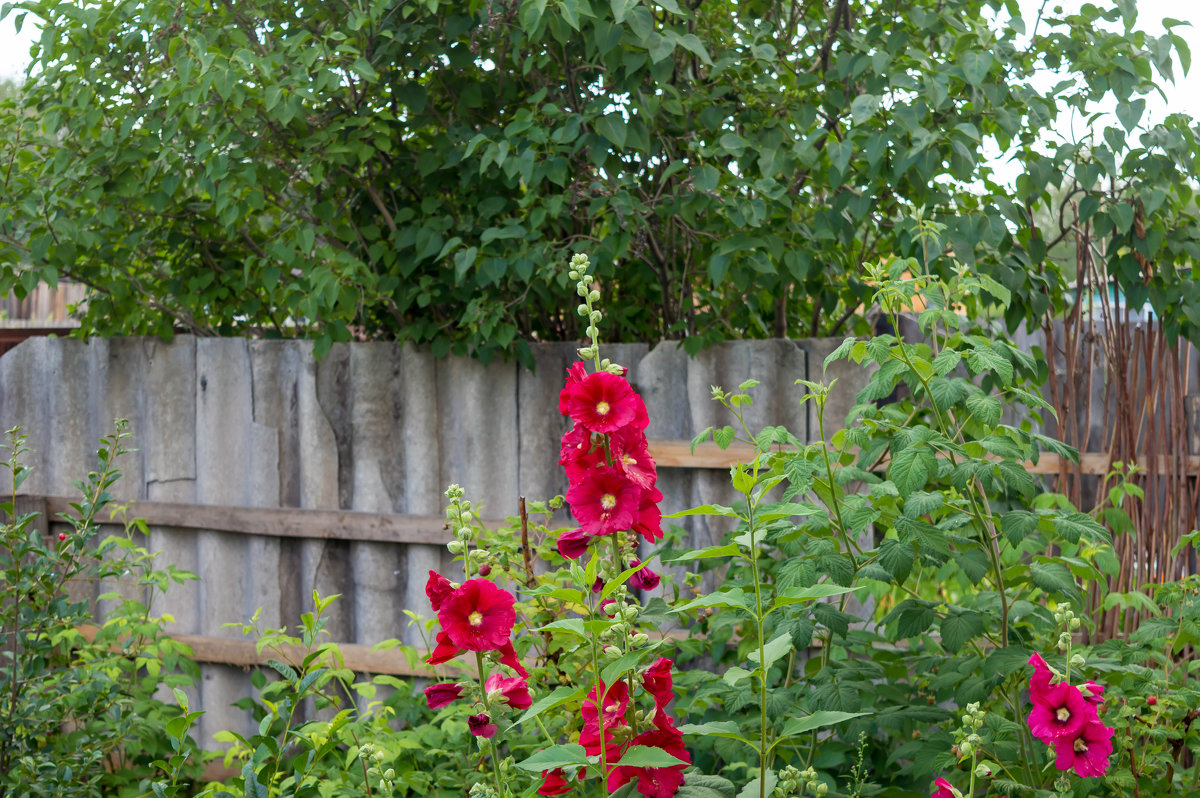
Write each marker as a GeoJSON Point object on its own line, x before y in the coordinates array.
{"type": "Point", "coordinates": [487, 708]}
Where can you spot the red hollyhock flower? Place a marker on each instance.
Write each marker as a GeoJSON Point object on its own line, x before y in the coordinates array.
{"type": "Point", "coordinates": [655, 782]}
{"type": "Point", "coordinates": [437, 589]}
{"type": "Point", "coordinates": [554, 782]}
{"type": "Point", "coordinates": [481, 725]}
{"type": "Point", "coordinates": [513, 691]}
{"type": "Point", "coordinates": [1059, 714]}
{"type": "Point", "coordinates": [644, 579]}
{"type": "Point", "coordinates": [444, 651]}
{"type": "Point", "coordinates": [575, 374]}
{"type": "Point", "coordinates": [479, 616]}
{"type": "Point", "coordinates": [1039, 683]}
{"type": "Point", "coordinates": [1093, 693]}
{"type": "Point", "coordinates": [577, 453]}
{"type": "Point", "coordinates": [943, 789]}
{"type": "Point", "coordinates": [657, 681]}
{"type": "Point", "coordinates": [648, 522]}
{"type": "Point", "coordinates": [603, 402]}
{"type": "Point", "coordinates": [440, 695]}
{"type": "Point", "coordinates": [615, 702]}
{"type": "Point", "coordinates": [508, 656]}
{"type": "Point", "coordinates": [573, 544]}
{"type": "Point", "coordinates": [631, 455]}
{"type": "Point", "coordinates": [604, 501]}
{"type": "Point", "coordinates": [1088, 752]}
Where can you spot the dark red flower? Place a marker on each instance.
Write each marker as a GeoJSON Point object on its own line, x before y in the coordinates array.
{"type": "Point", "coordinates": [603, 402]}
{"type": "Point", "coordinates": [575, 374]}
{"type": "Point", "coordinates": [604, 501]}
{"type": "Point", "coordinates": [577, 454]}
{"type": "Point", "coordinates": [573, 543]}
{"type": "Point", "coordinates": [615, 702]}
{"type": "Point", "coordinates": [658, 683]}
{"type": "Point", "coordinates": [440, 695]}
{"type": "Point", "coordinates": [479, 616]}
{"type": "Point", "coordinates": [644, 579]}
{"type": "Point", "coordinates": [481, 725]}
{"type": "Point", "coordinates": [655, 782]}
{"type": "Point", "coordinates": [513, 691]}
{"type": "Point", "coordinates": [444, 651]}
{"type": "Point", "coordinates": [648, 522]}
{"type": "Point", "coordinates": [508, 656]}
{"type": "Point", "coordinates": [1088, 752]}
{"type": "Point", "coordinates": [554, 782]}
{"type": "Point", "coordinates": [631, 455]}
{"type": "Point", "coordinates": [1059, 714]}
{"type": "Point", "coordinates": [437, 589]}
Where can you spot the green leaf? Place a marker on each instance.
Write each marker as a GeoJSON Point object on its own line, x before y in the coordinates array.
{"type": "Point", "coordinates": [958, 629]}
{"type": "Point", "coordinates": [644, 756]}
{"type": "Point", "coordinates": [946, 361]}
{"type": "Point", "coordinates": [1130, 113]}
{"type": "Point", "coordinates": [910, 469]}
{"type": "Point", "coordinates": [975, 65]}
{"type": "Point", "coordinates": [706, 509]}
{"type": "Point", "coordinates": [621, 9]}
{"type": "Point", "coordinates": [728, 550]}
{"type": "Point", "coordinates": [921, 503]}
{"type": "Point", "coordinates": [842, 351]}
{"type": "Point", "coordinates": [772, 651]}
{"type": "Point", "coordinates": [796, 595]}
{"type": "Point", "coordinates": [1052, 577]}
{"type": "Point", "coordinates": [613, 128]}
{"type": "Point", "coordinates": [719, 728]}
{"type": "Point", "coordinates": [1018, 525]}
{"type": "Point", "coordinates": [897, 558]}
{"type": "Point", "coordinates": [733, 598]}
{"type": "Point", "coordinates": [724, 437]}
{"type": "Point", "coordinates": [556, 757]}
{"type": "Point", "coordinates": [863, 107]}
{"type": "Point", "coordinates": [817, 720]}
{"type": "Point", "coordinates": [621, 579]}
{"type": "Point", "coordinates": [754, 790]}
{"type": "Point", "coordinates": [558, 697]}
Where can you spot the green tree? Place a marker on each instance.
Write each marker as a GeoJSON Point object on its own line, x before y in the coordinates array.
{"type": "Point", "coordinates": [419, 169]}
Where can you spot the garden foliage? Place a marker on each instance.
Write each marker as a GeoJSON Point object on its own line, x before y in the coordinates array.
{"type": "Point", "coordinates": [412, 170]}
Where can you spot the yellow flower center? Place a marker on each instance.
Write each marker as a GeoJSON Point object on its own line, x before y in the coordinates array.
{"type": "Point", "coordinates": [608, 501]}
{"type": "Point", "coordinates": [602, 408]}
{"type": "Point", "coordinates": [1080, 745]}
{"type": "Point", "coordinates": [475, 618]}
{"type": "Point", "coordinates": [1063, 714]}
{"type": "Point", "coordinates": [629, 460]}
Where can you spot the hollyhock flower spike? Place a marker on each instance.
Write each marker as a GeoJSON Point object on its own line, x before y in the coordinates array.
{"type": "Point", "coordinates": [655, 782]}
{"type": "Point", "coordinates": [479, 616]}
{"type": "Point", "coordinates": [440, 695]}
{"type": "Point", "coordinates": [615, 702]}
{"type": "Point", "coordinates": [1059, 714]}
{"type": "Point", "coordinates": [554, 782]}
{"type": "Point", "coordinates": [644, 579]}
{"type": "Point", "coordinates": [438, 588]}
{"type": "Point", "coordinates": [1088, 753]}
{"type": "Point", "coordinates": [603, 402]}
{"type": "Point", "coordinates": [512, 691]}
{"type": "Point", "coordinates": [604, 501]}
{"type": "Point", "coordinates": [481, 725]}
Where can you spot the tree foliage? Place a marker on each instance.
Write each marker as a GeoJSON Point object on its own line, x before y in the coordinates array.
{"type": "Point", "coordinates": [419, 169]}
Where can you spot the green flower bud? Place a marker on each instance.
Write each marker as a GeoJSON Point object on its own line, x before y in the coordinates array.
{"type": "Point", "coordinates": [821, 788]}
{"type": "Point", "coordinates": [389, 775]}
{"type": "Point", "coordinates": [967, 749]}
{"type": "Point", "coordinates": [455, 547]}
{"type": "Point", "coordinates": [594, 295]}
{"type": "Point", "coordinates": [639, 639]}
{"type": "Point", "coordinates": [982, 771]}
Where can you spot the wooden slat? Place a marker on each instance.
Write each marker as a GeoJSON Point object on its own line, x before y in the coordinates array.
{"type": "Point", "coordinates": [286, 522]}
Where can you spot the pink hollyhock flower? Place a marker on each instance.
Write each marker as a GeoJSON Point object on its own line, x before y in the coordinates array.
{"type": "Point", "coordinates": [1093, 693]}
{"type": "Point", "coordinates": [573, 544]}
{"type": "Point", "coordinates": [554, 782]}
{"type": "Point", "coordinates": [631, 455]}
{"type": "Point", "coordinates": [603, 402]}
{"type": "Point", "coordinates": [943, 789]}
{"type": "Point", "coordinates": [615, 702]}
{"type": "Point", "coordinates": [648, 522]}
{"type": "Point", "coordinates": [1059, 714]}
{"type": "Point", "coordinates": [512, 691]}
{"type": "Point", "coordinates": [440, 695]}
{"type": "Point", "coordinates": [481, 725]}
{"type": "Point", "coordinates": [1086, 753]}
{"type": "Point", "coordinates": [575, 374]}
{"type": "Point", "coordinates": [437, 589]}
{"type": "Point", "coordinates": [644, 579]}
{"type": "Point", "coordinates": [508, 656]}
{"type": "Point", "coordinates": [479, 616]}
{"type": "Point", "coordinates": [604, 501]}
{"type": "Point", "coordinates": [444, 651]}
{"type": "Point", "coordinates": [654, 782]}
{"type": "Point", "coordinates": [657, 681]}
{"type": "Point", "coordinates": [1039, 683]}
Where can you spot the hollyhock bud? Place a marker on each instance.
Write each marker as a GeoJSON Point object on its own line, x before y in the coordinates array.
{"type": "Point", "coordinates": [481, 725]}
{"type": "Point", "coordinates": [514, 692]}
{"type": "Point", "coordinates": [644, 579]}
{"type": "Point", "coordinates": [573, 544]}
{"type": "Point", "coordinates": [440, 695]}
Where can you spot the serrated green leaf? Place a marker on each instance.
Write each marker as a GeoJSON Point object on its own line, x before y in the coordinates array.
{"type": "Point", "coordinates": [958, 630]}
{"type": "Point", "coordinates": [817, 720]}
{"type": "Point", "coordinates": [556, 757]}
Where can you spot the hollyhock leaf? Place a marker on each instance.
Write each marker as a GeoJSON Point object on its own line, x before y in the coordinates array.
{"type": "Point", "coordinates": [699, 785]}
{"type": "Point", "coordinates": [735, 675]}
{"type": "Point", "coordinates": [734, 599]}
{"type": "Point", "coordinates": [620, 579]}
{"type": "Point", "coordinates": [706, 509]}
{"type": "Point", "coordinates": [817, 720]}
{"type": "Point", "coordinates": [773, 650]}
{"type": "Point", "coordinates": [728, 550]}
{"type": "Point", "coordinates": [625, 662]}
{"type": "Point", "coordinates": [718, 728]}
{"type": "Point", "coordinates": [555, 757]}
{"type": "Point", "coordinates": [773, 512]}
{"type": "Point", "coordinates": [644, 756]}
{"type": "Point", "coordinates": [752, 790]}
{"type": "Point", "coordinates": [557, 697]}
{"type": "Point", "coordinates": [573, 625]}
{"type": "Point", "coordinates": [798, 594]}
